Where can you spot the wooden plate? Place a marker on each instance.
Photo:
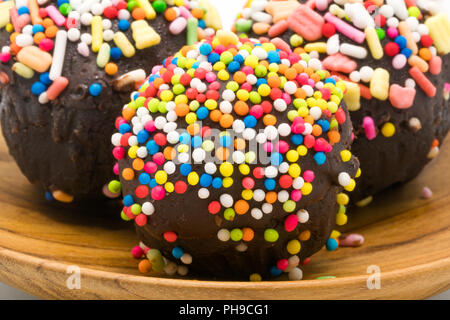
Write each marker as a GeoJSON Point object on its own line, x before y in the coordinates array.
{"type": "Point", "coordinates": [407, 237]}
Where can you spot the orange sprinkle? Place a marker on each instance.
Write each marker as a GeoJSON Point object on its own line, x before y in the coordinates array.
{"type": "Point", "coordinates": [239, 144]}
{"type": "Point", "coordinates": [290, 73]}
{"type": "Point", "coordinates": [300, 93]}
{"type": "Point", "coordinates": [309, 71]}
{"type": "Point", "coordinates": [241, 108]}
{"type": "Point", "coordinates": [425, 54]}
{"type": "Point", "coordinates": [241, 207]}
{"type": "Point", "coordinates": [315, 77]}
{"type": "Point", "coordinates": [334, 136]}
{"type": "Point", "coordinates": [317, 130]}
{"type": "Point", "coordinates": [222, 153]}
{"type": "Point", "coordinates": [193, 129]}
{"type": "Point", "coordinates": [169, 153]}
{"type": "Point", "coordinates": [197, 13]}
{"type": "Point", "coordinates": [138, 164]}
{"type": "Point", "coordinates": [282, 68]}
{"type": "Point", "coordinates": [247, 234]}
{"type": "Point", "coordinates": [240, 77]}
{"type": "Point", "coordinates": [47, 22]}
{"type": "Point", "coordinates": [226, 121]}
{"type": "Point", "coordinates": [264, 63]}
{"type": "Point", "coordinates": [14, 48]}
{"type": "Point", "coordinates": [37, 38]}
{"type": "Point", "coordinates": [12, 36]}
{"type": "Point", "coordinates": [200, 34]}
{"type": "Point", "coordinates": [309, 119]}
{"type": "Point", "coordinates": [128, 113]}
{"type": "Point", "coordinates": [298, 67]}
{"type": "Point", "coordinates": [170, 14]}
{"type": "Point", "coordinates": [181, 109]}
{"type": "Point", "coordinates": [111, 68]}
{"type": "Point", "coordinates": [158, 82]}
{"type": "Point", "coordinates": [145, 266]}
{"type": "Point", "coordinates": [51, 31]}
{"type": "Point", "coordinates": [305, 235]}
{"type": "Point", "coordinates": [215, 115]}
{"type": "Point", "coordinates": [271, 197]}
{"type": "Point", "coordinates": [128, 174]}
{"type": "Point", "coordinates": [435, 143]}
{"type": "Point", "coordinates": [269, 120]}
{"type": "Point", "coordinates": [274, 81]}
{"type": "Point", "coordinates": [138, 13]}
{"type": "Point", "coordinates": [299, 50]}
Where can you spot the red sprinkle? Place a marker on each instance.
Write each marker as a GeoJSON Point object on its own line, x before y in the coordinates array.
{"type": "Point", "coordinates": [391, 49]}
{"type": "Point", "coordinates": [214, 207]}
{"type": "Point", "coordinates": [328, 29]}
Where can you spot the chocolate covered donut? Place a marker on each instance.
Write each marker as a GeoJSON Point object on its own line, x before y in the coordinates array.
{"type": "Point", "coordinates": [394, 58]}
{"type": "Point", "coordinates": [68, 68]}
{"type": "Point", "coordinates": [232, 159]}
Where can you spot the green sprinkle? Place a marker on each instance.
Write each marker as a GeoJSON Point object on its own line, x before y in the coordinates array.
{"type": "Point", "coordinates": [271, 235]}
{"type": "Point", "coordinates": [159, 6]}
{"type": "Point", "coordinates": [115, 186]}
{"type": "Point", "coordinates": [229, 214]}
{"type": "Point", "coordinates": [236, 234]}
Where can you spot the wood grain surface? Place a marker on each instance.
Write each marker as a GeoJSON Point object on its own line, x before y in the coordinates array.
{"type": "Point", "coordinates": [407, 237]}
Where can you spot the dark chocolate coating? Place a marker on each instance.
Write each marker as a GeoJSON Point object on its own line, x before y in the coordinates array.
{"type": "Point", "coordinates": [187, 215]}
{"type": "Point", "coordinates": [64, 144]}
{"type": "Point", "coordinates": [397, 159]}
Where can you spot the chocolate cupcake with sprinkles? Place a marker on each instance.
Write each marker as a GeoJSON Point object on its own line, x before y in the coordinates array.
{"type": "Point", "coordinates": [68, 67]}
{"type": "Point", "coordinates": [232, 159]}
{"type": "Point", "coordinates": [394, 58]}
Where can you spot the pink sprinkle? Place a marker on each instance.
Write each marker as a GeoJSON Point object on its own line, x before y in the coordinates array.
{"type": "Point", "coordinates": [248, 70]}
{"type": "Point", "coordinates": [268, 146]}
{"type": "Point", "coordinates": [282, 264]}
{"type": "Point", "coordinates": [392, 32]}
{"type": "Point", "coordinates": [291, 222]}
{"type": "Point", "coordinates": [137, 252]}
{"type": "Point", "coordinates": [401, 98]}
{"type": "Point", "coordinates": [297, 127]}
{"type": "Point", "coordinates": [281, 44]}
{"type": "Point", "coordinates": [248, 183]}
{"type": "Point", "coordinates": [287, 98]}
{"type": "Point", "coordinates": [116, 168]}
{"type": "Point", "coordinates": [296, 195]}
{"type": "Point", "coordinates": [158, 193]}
{"type": "Point", "coordinates": [309, 176]}
{"type": "Point", "coordinates": [150, 167]}
{"type": "Point", "coordinates": [118, 153]}
{"type": "Point", "coordinates": [184, 12]}
{"type": "Point", "coordinates": [155, 69]}
{"type": "Point", "coordinates": [426, 193]}
{"type": "Point", "coordinates": [47, 44]}
{"type": "Point", "coordinates": [351, 240]}
{"type": "Point", "coordinates": [158, 158]}
{"type": "Point", "coordinates": [56, 16]}
{"type": "Point", "coordinates": [211, 77]}
{"type": "Point", "coordinates": [4, 57]}
{"type": "Point", "coordinates": [369, 128]}
{"type": "Point", "coordinates": [257, 111]}
{"type": "Point", "coordinates": [150, 126]}
{"type": "Point", "coordinates": [345, 28]}
{"type": "Point", "coordinates": [282, 146]}
{"type": "Point", "coordinates": [447, 86]}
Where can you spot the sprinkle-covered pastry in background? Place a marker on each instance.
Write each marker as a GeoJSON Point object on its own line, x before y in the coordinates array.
{"type": "Point", "coordinates": [232, 160]}
{"type": "Point", "coordinates": [394, 58]}
{"type": "Point", "coordinates": [67, 69]}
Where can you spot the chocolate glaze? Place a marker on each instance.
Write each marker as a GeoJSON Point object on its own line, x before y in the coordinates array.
{"type": "Point", "coordinates": [64, 144]}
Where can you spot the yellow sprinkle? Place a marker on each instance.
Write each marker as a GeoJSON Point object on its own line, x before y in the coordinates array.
{"type": "Point", "coordinates": [346, 155]}
{"type": "Point", "coordinates": [342, 199]}
{"type": "Point", "coordinates": [320, 47]}
{"type": "Point", "coordinates": [97, 33]}
{"type": "Point", "coordinates": [351, 186]}
{"type": "Point", "coordinates": [149, 11]}
{"type": "Point", "coordinates": [388, 129]}
{"type": "Point", "coordinates": [22, 70]}
{"type": "Point", "coordinates": [439, 30]}
{"type": "Point", "coordinates": [293, 246]}
{"type": "Point", "coordinates": [227, 182]}
{"type": "Point", "coordinates": [227, 37]}
{"type": "Point", "coordinates": [193, 178]}
{"type": "Point", "coordinates": [374, 43]}
{"type": "Point", "coordinates": [122, 42]}
{"type": "Point", "coordinates": [341, 219]}
{"type": "Point", "coordinates": [379, 85]}
{"type": "Point", "coordinates": [144, 35]}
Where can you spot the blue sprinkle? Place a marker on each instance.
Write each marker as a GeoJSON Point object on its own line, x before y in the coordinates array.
{"type": "Point", "coordinates": [174, 61]}
{"type": "Point", "coordinates": [128, 200]}
{"type": "Point", "coordinates": [238, 58]}
{"type": "Point", "coordinates": [115, 53]}
{"type": "Point", "coordinates": [205, 49]}
{"type": "Point", "coordinates": [195, 65]}
{"type": "Point", "coordinates": [38, 87]}
{"type": "Point", "coordinates": [225, 141]}
{"type": "Point", "coordinates": [330, 80]}
{"type": "Point", "coordinates": [234, 66]}
{"type": "Point", "coordinates": [213, 57]}
{"type": "Point", "coordinates": [95, 89]}
{"type": "Point", "coordinates": [250, 121]}
{"type": "Point", "coordinates": [401, 41]}
{"type": "Point", "coordinates": [217, 183]}
{"type": "Point", "coordinates": [61, 2]}
{"type": "Point", "coordinates": [269, 184]}
{"type": "Point", "coordinates": [23, 10]}
{"type": "Point", "coordinates": [202, 24]}
{"type": "Point", "coordinates": [196, 141]}
{"type": "Point", "coordinates": [273, 57]}
{"type": "Point", "coordinates": [123, 25]}
{"type": "Point", "coordinates": [261, 81]}
{"type": "Point", "coordinates": [297, 139]}
{"type": "Point", "coordinates": [324, 124]}
{"type": "Point", "coordinates": [153, 183]}
{"type": "Point", "coordinates": [407, 52]}
{"type": "Point", "coordinates": [152, 147]}
{"type": "Point", "coordinates": [38, 28]}
{"type": "Point", "coordinates": [142, 136]}
{"type": "Point", "coordinates": [276, 158]}
{"type": "Point", "coordinates": [332, 244]}
{"type": "Point", "coordinates": [177, 252]}
{"type": "Point", "coordinates": [135, 96]}
{"type": "Point", "coordinates": [45, 78]}
{"type": "Point", "coordinates": [144, 178]}
{"type": "Point", "coordinates": [274, 271]}
{"type": "Point", "coordinates": [124, 128]}
{"type": "Point", "coordinates": [202, 113]}
{"type": "Point", "coordinates": [48, 196]}
{"type": "Point", "coordinates": [320, 158]}
{"type": "Point", "coordinates": [205, 180]}
{"type": "Point", "coordinates": [185, 138]}
{"type": "Point", "coordinates": [185, 169]}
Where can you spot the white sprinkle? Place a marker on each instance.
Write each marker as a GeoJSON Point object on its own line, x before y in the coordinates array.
{"type": "Point", "coordinates": [303, 216]}
{"type": "Point", "coordinates": [148, 208]}
{"type": "Point", "coordinates": [256, 213]}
